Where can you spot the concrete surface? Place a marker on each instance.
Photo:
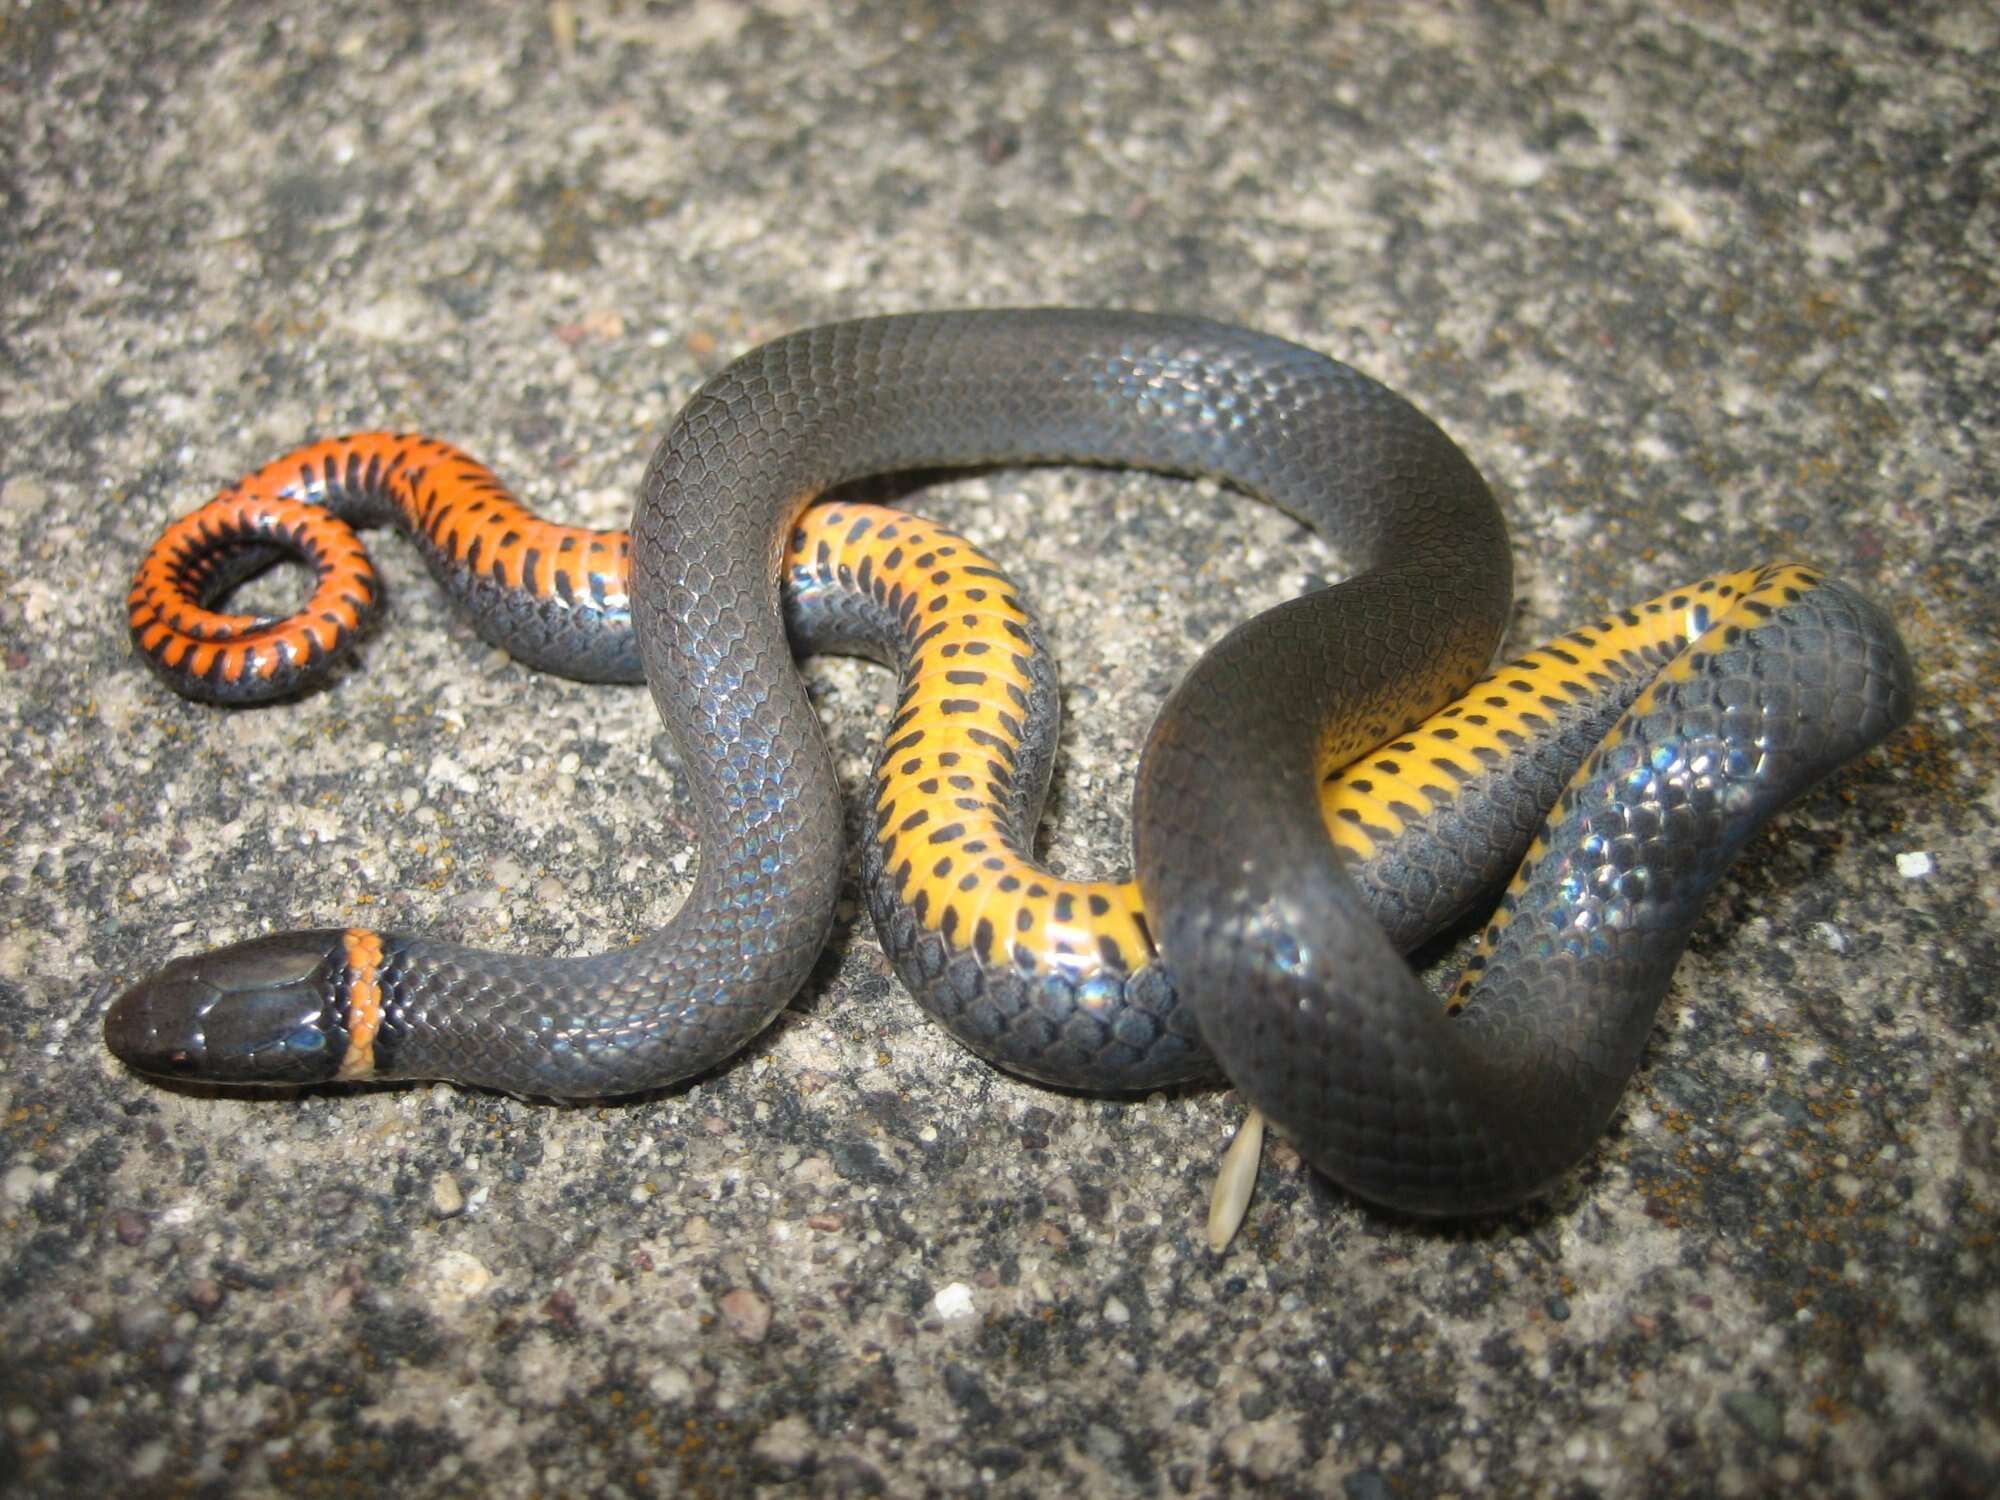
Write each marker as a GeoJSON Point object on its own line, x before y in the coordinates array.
{"type": "Point", "coordinates": [1695, 285]}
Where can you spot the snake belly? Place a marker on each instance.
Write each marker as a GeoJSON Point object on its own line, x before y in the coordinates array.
{"type": "Point", "coordinates": [1254, 907]}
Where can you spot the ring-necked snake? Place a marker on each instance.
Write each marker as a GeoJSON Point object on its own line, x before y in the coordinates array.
{"type": "Point", "coordinates": [1708, 710]}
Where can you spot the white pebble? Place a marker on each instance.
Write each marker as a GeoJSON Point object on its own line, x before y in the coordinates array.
{"type": "Point", "coordinates": [953, 1302]}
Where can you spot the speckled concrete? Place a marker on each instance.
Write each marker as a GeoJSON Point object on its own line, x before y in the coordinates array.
{"type": "Point", "coordinates": [1695, 285]}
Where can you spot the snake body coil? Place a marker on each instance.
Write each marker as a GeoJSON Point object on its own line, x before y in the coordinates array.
{"type": "Point", "coordinates": [1295, 985]}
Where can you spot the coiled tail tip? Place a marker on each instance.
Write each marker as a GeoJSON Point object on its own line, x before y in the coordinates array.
{"type": "Point", "coordinates": [273, 1010]}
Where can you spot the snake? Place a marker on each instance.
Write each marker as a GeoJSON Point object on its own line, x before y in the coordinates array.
{"type": "Point", "coordinates": [1615, 773]}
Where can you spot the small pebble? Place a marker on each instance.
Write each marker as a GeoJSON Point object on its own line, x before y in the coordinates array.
{"type": "Point", "coordinates": [447, 1199]}
{"type": "Point", "coordinates": [1757, 1414]}
{"type": "Point", "coordinates": [953, 1301]}
{"type": "Point", "coordinates": [18, 1185]}
{"type": "Point", "coordinates": [747, 1315]}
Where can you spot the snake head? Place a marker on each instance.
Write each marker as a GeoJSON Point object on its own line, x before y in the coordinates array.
{"type": "Point", "coordinates": [266, 1011]}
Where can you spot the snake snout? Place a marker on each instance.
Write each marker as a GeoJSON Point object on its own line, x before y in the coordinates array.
{"type": "Point", "coordinates": [256, 1012]}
